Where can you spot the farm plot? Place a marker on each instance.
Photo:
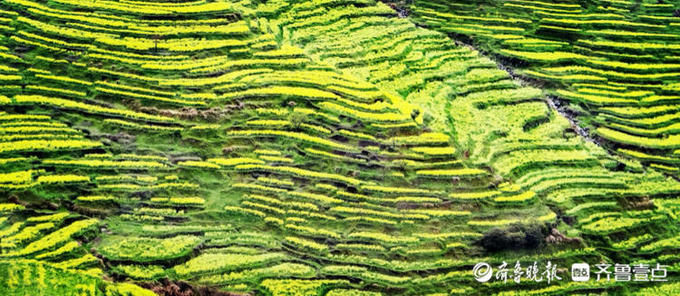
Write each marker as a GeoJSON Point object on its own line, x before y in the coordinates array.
{"type": "Point", "coordinates": [288, 148]}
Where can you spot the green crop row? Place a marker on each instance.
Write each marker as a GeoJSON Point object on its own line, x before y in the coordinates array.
{"type": "Point", "coordinates": [215, 263]}
{"type": "Point", "coordinates": [253, 275]}
{"type": "Point", "coordinates": [141, 249]}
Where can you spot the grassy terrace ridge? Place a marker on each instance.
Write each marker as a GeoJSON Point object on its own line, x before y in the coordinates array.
{"type": "Point", "coordinates": [330, 147]}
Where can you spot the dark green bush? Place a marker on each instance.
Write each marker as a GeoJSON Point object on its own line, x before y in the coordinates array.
{"type": "Point", "coordinates": [515, 236]}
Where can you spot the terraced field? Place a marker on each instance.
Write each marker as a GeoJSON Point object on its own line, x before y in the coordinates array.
{"type": "Point", "coordinates": [615, 63]}
{"type": "Point", "coordinates": [331, 147]}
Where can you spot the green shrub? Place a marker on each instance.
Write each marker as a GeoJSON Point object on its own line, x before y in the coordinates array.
{"type": "Point", "coordinates": [515, 236]}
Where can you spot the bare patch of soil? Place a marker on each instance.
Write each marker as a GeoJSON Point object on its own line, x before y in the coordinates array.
{"type": "Point", "coordinates": [166, 287]}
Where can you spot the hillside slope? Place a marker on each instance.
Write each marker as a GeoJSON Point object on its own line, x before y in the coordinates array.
{"type": "Point", "coordinates": [292, 148]}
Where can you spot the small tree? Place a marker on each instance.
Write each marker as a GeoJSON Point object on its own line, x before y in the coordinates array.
{"type": "Point", "coordinates": [155, 38]}
{"type": "Point", "coordinates": [296, 119]}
